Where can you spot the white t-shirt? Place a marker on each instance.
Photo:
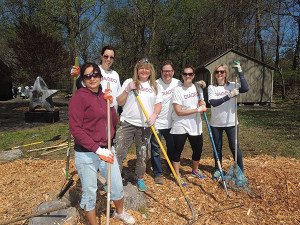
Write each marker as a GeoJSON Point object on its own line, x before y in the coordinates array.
{"type": "Point", "coordinates": [132, 111]}
{"type": "Point", "coordinates": [164, 120]}
{"type": "Point", "coordinates": [222, 115]}
{"type": "Point", "coordinates": [113, 78]}
{"type": "Point", "coordinates": [188, 99]}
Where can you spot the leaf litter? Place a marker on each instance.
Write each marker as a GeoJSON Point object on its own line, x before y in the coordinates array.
{"type": "Point", "coordinates": [26, 183]}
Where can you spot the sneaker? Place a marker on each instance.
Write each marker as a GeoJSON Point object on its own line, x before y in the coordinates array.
{"type": "Point", "coordinates": [198, 174]}
{"type": "Point", "coordinates": [217, 175]}
{"type": "Point", "coordinates": [158, 180]}
{"type": "Point", "coordinates": [124, 217]}
{"type": "Point", "coordinates": [141, 185]}
{"type": "Point", "coordinates": [183, 184]}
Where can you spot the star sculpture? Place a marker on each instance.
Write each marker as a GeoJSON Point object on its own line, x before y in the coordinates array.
{"type": "Point", "coordinates": [41, 96]}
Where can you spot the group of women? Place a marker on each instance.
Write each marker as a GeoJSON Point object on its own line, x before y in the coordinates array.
{"type": "Point", "coordinates": [174, 110]}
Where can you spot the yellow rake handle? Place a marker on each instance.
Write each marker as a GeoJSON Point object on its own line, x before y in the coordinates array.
{"type": "Point", "coordinates": [165, 154]}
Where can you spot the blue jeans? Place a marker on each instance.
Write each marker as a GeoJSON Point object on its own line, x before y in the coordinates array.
{"type": "Point", "coordinates": [155, 150]}
{"type": "Point", "coordinates": [87, 165]}
{"type": "Point", "coordinates": [217, 133]}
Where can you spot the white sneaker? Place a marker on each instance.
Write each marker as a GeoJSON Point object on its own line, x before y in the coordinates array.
{"type": "Point", "coordinates": [124, 217]}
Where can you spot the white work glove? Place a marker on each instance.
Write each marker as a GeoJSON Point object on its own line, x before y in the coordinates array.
{"type": "Point", "coordinates": [75, 70]}
{"type": "Point", "coordinates": [130, 87]}
{"type": "Point", "coordinates": [105, 154]}
{"type": "Point", "coordinates": [152, 119]}
{"type": "Point", "coordinates": [201, 84]}
{"type": "Point", "coordinates": [237, 66]}
{"type": "Point", "coordinates": [202, 108]}
{"type": "Point", "coordinates": [235, 92]}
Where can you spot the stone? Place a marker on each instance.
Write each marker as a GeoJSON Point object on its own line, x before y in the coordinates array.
{"type": "Point", "coordinates": [133, 198]}
{"type": "Point", "coordinates": [62, 216]}
{"type": "Point", "coordinates": [41, 96]}
{"type": "Point", "coordinates": [10, 155]}
{"type": "Point", "coordinates": [42, 116]}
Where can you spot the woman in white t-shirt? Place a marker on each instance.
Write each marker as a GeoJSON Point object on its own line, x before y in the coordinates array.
{"type": "Point", "coordinates": [187, 123]}
{"type": "Point", "coordinates": [133, 121]}
{"type": "Point", "coordinates": [167, 84]}
{"type": "Point", "coordinates": [221, 97]}
{"type": "Point", "coordinates": [108, 74]}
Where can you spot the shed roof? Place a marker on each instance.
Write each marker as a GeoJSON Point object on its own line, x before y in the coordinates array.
{"type": "Point", "coordinates": [239, 53]}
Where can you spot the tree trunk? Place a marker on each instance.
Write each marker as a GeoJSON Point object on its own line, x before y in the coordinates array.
{"type": "Point", "coordinates": [297, 50]}
{"type": "Point", "coordinates": [282, 82]}
{"type": "Point", "coordinates": [259, 30]}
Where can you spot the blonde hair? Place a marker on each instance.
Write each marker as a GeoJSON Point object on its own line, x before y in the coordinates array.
{"type": "Point", "coordinates": [152, 78]}
{"type": "Point", "coordinates": [214, 80]}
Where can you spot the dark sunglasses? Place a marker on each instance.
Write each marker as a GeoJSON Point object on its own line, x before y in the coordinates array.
{"type": "Point", "coordinates": [107, 56]}
{"type": "Point", "coordinates": [187, 74]}
{"type": "Point", "coordinates": [220, 71]}
{"type": "Point", "coordinates": [89, 76]}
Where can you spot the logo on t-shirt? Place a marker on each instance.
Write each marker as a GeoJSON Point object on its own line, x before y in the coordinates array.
{"type": "Point", "coordinates": [146, 89]}
{"type": "Point", "coordinates": [223, 93]}
{"type": "Point", "coordinates": [169, 92]}
{"type": "Point", "coordinates": [109, 79]}
{"type": "Point", "coordinates": [190, 95]}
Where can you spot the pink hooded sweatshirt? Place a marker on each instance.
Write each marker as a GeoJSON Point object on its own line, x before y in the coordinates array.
{"type": "Point", "coordinates": [88, 119]}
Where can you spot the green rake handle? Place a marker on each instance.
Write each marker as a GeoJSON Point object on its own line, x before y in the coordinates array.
{"type": "Point", "coordinates": [70, 135]}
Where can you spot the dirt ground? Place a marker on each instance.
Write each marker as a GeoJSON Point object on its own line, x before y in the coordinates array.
{"type": "Point", "coordinates": [26, 183]}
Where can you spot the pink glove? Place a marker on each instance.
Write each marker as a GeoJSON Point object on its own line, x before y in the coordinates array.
{"type": "Point", "coordinates": [105, 154]}
{"type": "Point", "coordinates": [152, 119]}
{"type": "Point", "coordinates": [130, 87]}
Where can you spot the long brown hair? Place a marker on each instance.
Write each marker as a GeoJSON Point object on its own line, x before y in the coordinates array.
{"type": "Point", "coordinates": [152, 78]}
{"type": "Point", "coordinates": [214, 80]}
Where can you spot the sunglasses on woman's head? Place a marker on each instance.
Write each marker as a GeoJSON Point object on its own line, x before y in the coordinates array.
{"type": "Point", "coordinates": [146, 60]}
{"type": "Point", "coordinates": [89, 76]}
{"type": "Point", "coordinates": [107, 56]}
{"type": "Point", "coordinates": [187, 74]}
{"type": "Point", "coordinates": [220, 71]}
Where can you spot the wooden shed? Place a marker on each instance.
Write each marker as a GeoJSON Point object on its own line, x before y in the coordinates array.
{"type": "Point", "coordinates": [258, 75]}
{"type": "Point", "coordinates": [5, 82]}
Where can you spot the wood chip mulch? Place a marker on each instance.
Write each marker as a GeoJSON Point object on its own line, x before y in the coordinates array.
{"type": "Point", "coordinates": [26, 183]}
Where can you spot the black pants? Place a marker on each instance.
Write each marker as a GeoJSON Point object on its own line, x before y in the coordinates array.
{"type": "Point", "coordinates": [196, 144]}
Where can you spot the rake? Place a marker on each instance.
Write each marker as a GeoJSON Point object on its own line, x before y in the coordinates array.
{"type": "Point", "coordinates": [200, 85]}
{"type": "Point", "coordinates": [165, 154]}
{"type": "Point", "coordinates": [68, 182]}
{"type": "Point", "coordinates": [235, 177]}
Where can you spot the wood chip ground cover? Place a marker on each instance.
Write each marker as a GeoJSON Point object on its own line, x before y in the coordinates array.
{"type": "Point", "coordinates": [26, 183]}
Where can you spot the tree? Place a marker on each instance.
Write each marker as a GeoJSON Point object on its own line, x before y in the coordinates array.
{"type": "Point", "coordinates": [38, 54]}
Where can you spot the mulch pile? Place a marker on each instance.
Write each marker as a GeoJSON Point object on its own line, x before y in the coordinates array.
{"type": "Point", "coordinates": [26, 183]}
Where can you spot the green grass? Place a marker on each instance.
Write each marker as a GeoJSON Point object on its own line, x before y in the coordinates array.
{"type": "Point", "coordinates": [263, 130]}
{"type": "Point", "coordinates": [272, 131]}
{"type": "Point", "coordinates": [31, 135]}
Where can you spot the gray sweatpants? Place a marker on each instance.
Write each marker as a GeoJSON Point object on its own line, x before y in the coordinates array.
{"type": "Point", "coordinates": [124, 139]}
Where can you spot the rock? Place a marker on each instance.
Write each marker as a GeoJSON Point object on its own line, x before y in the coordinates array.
{"type": "Point", "coordinates": [133, 198]}
{"type": "Point", "coordinates": [10, 155]}
{"type": "Point", "coordinates": [62, 216]}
